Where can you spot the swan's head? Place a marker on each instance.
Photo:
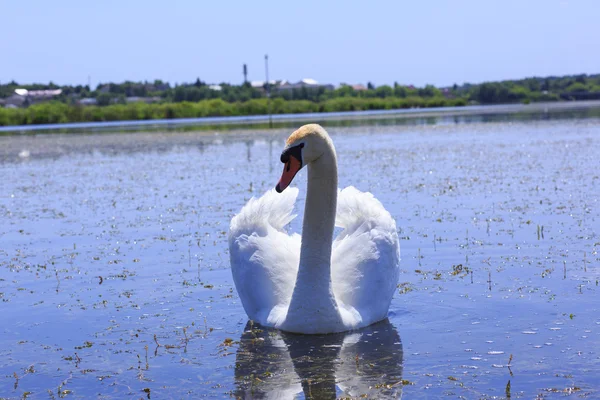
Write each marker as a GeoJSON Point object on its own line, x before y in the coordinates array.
{"type": "Point", "coordinates": [303, 146]}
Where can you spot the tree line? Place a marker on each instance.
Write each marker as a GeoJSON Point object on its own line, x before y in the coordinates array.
{"type": "Point", "coordinates": [198, 99]}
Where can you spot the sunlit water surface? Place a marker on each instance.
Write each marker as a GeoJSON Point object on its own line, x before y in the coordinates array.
{"type": "Point", "coordinates": [115, 282]}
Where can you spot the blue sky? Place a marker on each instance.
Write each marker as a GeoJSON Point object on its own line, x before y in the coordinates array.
{"type": "Point", "coordinates": [411, 42]}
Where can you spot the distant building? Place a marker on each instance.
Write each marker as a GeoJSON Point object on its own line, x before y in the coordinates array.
{"type": "Point", "coordinates": [358, 87]}
{"type": "Point", "coordinates": [39, 94]}
{"type": "Point", "coordinates": [217, 88]}
{"type": "Point", "coordinates": [261, 84]}
{"type": "Point", "coordinates": [87, 101]}
{"type": "Point", "coordinates": [15, 101]}
{"type": "Point", "coordinates": [138, 99]}
{"type": "Point", "coordinates": [304, 83]}
{"type": "Point", "coordinates": [23, 97]}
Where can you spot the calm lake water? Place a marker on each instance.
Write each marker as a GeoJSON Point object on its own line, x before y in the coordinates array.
{"type": "Point", "coordinates": [115, 281]}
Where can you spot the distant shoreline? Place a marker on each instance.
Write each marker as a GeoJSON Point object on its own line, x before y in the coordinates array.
{"type": "Point", "coordinates": [303, 117]}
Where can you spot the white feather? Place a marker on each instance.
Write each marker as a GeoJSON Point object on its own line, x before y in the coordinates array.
{"type": "Point", "coordinates": [366, 255]}
{"type": "Point", "coordinates": [365, 258]}
{"type": "Point", "coordinates": [264, 258]}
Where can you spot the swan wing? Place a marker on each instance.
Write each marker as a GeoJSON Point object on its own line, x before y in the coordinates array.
{"type": "Point", "coordinates": [365, 255]}
{"type": "Point", "coordinates": [264, 258]}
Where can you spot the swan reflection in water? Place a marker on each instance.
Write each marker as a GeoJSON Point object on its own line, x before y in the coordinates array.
{"type": "Point", "coordinates": [272, 364]}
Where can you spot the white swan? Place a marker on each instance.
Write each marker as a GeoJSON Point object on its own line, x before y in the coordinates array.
{"type": "Point", "coordinates": [314, 284]}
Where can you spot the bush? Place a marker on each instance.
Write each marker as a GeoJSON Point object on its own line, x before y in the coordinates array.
{"type": "Point", "coordinates": [56, 112]}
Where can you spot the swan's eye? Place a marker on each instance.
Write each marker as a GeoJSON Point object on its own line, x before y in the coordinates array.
{"type": "Point", "coordinates": [295, 152]}
{"type": "Point", "coordinates": [288, 165]}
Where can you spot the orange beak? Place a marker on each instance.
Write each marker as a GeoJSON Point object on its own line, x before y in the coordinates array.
{"type": "Point", "coordinates": [290, 169]}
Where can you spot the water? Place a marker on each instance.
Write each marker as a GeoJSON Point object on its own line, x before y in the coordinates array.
{"type": "Point", "coordinates": [114, 277]}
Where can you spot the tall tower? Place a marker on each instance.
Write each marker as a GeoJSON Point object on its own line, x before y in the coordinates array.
{"type": "Point", "coordinates": [245, 73]}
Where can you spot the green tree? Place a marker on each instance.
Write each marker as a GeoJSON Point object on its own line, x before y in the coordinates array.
{"type": "Point", "coordinates": [104, 99]}
{"type": "Point", "coordinates": [384, 91]}
{"type": "Point", "coordinates": [577, 87]}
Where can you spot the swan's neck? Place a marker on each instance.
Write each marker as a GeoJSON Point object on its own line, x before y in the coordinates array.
{"type": "Point", "coordinates": [313, 301]}
{"type": "Point", "coordinates": [319, 218]}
